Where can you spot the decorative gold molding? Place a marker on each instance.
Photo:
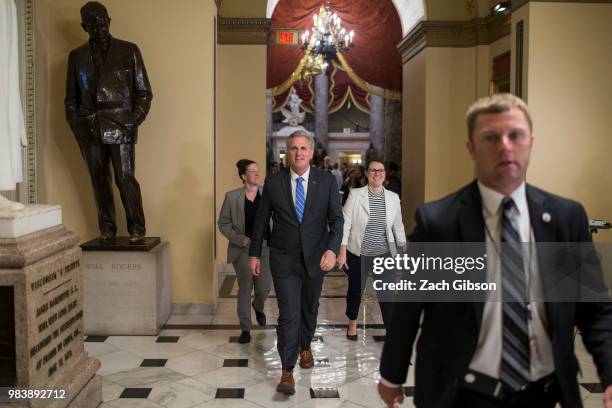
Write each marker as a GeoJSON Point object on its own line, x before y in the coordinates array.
{"type": "Point", "coordinates": [479, 31]}
{"type": "Point", "coordinates": [30, 99]}
{"type": "Point", "coordinates": [243, 30]}
{"type": "Point", "coordinates": [515, 4]}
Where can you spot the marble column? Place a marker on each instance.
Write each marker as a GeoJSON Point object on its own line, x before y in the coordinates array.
{"type": "Point", "coordinates": [393, 131]}
{"type": "Point", "coordinates": [377, 121]}
{"type": "Point", "coordinates": [269, 105]}
{"type": "Point", "coordinates": [321, 111]}
{"type": "Point", "coordinates": [269, 130]}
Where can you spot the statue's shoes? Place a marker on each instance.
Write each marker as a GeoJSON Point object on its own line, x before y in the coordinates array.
{"type": "Point", "coordinates": [137, 238]}
{"type": "Point", "coordinates": [107, 237]}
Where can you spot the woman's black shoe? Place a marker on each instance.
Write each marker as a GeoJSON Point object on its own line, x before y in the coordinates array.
{"type": "Point", "coordinates": [352, 337]}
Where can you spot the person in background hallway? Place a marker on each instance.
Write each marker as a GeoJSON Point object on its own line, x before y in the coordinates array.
{"type": "Point", "coordinates": [327, 164]}
{"type": "Point", "coordinates": [373, 227]}
{"type": "Point", "coordinates": [338, 175]}
{"type": "Point", "coordinates": [514, 353]}
{"type": "Point", "coordinates": [354, 180]}
{"type": "Point", "coordinates": [344, 169]}
{"type": "Point", "coordinates": [304, 204]}
{"type": "Point", "coordinates": [236, 224]}
{"type": "Point", "coordinates": [319, 155]}
{"type": "Point", "coordinates": [393, 181]}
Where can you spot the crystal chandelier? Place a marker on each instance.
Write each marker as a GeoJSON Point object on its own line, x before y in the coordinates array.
{"type": "Point", "coordinates": [327, 38]}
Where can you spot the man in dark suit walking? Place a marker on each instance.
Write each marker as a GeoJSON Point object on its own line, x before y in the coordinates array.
{"type": "Point", "coordinates": [506, 354]}
{"type": "Point", "coordinates": [108, 96]}
{"type": "Point", "coordinates": [304, 204]}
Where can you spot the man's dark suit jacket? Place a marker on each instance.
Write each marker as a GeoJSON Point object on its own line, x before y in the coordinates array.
{"type": "Point", "coordinates": [320, 230]}
{"type": "Point", "coordinates": [449, 331]}
{"type": "Point", "coordinates": [107, 106]}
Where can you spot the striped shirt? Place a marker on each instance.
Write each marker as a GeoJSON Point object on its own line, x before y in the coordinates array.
{"type": "Point", "coordinates": [375, 241]}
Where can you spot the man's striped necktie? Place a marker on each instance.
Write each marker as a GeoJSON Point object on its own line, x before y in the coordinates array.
{"type": "Point", "coordinates": [515, 362]}
{"type": "Point", "coordinates": [299, 199]}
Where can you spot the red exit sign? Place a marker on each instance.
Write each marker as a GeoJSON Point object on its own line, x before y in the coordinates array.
{"type": "Point", "coordinates": [287, 37]}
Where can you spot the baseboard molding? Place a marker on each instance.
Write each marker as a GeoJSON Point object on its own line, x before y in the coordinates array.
{"type": "Point", "coordinates": [193, 308]}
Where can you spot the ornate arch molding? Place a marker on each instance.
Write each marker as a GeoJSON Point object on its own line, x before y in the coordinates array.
{"type": "Point", "coordinates": [409, 11]}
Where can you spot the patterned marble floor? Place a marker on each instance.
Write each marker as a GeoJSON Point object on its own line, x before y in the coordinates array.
{"type": "Point", "coordinates": [196, 361]}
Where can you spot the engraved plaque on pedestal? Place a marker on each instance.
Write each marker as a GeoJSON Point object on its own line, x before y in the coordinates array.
{"type": "Point", "coordinates": [41, 271]}
{"type": "Point", "coordinates": [127, 292]}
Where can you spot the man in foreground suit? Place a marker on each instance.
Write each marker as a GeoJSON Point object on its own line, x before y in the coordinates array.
{"type": "Point", "coordinates": [498, 354]}
{"type": "Point", "coordinates": [307, 223]}
{"type": "Point", "coordinates": [108, 96]}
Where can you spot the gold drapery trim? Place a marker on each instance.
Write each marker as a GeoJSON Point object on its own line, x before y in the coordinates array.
{"type": "Point", "coordinates": [295, 75]}
{"type": "Point", "coordinates": [385, 93]}
{"type": "Point", "coordinates": [347, 94]}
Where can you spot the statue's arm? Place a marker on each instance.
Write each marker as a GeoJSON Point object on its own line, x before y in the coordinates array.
{"type": "Point", "coordinates": [142, 90]}
{"type": "Point", "coordinates": [71, 103]}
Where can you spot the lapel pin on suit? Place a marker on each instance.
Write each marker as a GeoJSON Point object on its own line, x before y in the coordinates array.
{"type": "Point", "coordinates": [546, 217]}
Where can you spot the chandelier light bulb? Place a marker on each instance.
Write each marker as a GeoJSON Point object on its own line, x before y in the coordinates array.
{"type": "Point", "coordinates": [328, 38]}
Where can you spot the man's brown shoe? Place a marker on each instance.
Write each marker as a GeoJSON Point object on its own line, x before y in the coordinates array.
{"type": "Point", "coordinates": [306, 360]}
{"type": "Point", "coordinates": [287, 383]}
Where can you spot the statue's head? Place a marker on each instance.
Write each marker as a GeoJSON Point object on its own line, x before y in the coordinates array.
{"type": "Point", "coordinates": [95, 20]}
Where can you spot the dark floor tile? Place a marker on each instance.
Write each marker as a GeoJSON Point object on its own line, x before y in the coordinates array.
{"type": "Point", "coordinates": [593, 388]}
{"type": "Point", "coordinates": [233, 339]}
{"type": "Point", "coordinates": [230, 393]}
{"type": "Point", "coordinates": [409, 391]}
{"type": "Point", "coordinates": [153, 362]}
{"type": "Point", "coordinates": [379, 338]}
{"type": "Point", "coordinates": [95, 339]}
{"type": "Point", "coordinates": [236, 362]}
{"type": "Point", "coordinates": [135, 393]}
{"type": "Point", "coordinates": [167, 339]}
{"type": "Point", "coordinates": [324, 393]}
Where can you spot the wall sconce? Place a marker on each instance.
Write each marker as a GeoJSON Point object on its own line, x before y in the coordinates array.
{"type": "Point", "coordinates": [500, 7]}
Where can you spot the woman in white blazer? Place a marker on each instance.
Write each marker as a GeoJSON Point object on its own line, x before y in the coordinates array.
{"type": "Point", "coordinates": [372, 228]}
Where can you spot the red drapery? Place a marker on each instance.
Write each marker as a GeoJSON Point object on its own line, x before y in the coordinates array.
{"type": "Point", "coordinates": [341, 87]}
{"type": "Point", "coordinates": [374, 59]}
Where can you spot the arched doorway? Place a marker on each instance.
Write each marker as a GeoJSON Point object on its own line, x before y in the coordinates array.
{"type": "Point", "coordinates": [410, 12]}
{"type": "Point", "coordinates": [363, 105]}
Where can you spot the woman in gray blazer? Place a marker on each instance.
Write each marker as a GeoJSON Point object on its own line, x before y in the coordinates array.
{"type": "Point", "coordinates": [236, 222]}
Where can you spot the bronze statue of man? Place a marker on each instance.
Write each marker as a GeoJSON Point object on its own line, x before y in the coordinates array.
{"type": "Point", "coordinates": [108, 96]}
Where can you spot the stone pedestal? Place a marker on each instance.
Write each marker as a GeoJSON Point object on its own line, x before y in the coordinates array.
{"type": "Point", "coordinates": [127, 292]}
{"type": "Point", "coordinates": [40, 274]}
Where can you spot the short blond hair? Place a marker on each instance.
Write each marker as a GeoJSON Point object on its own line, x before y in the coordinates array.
{"type": "Point", "coordinates": [496, 103]}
